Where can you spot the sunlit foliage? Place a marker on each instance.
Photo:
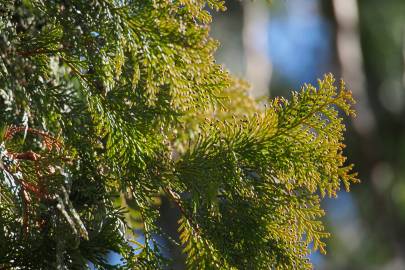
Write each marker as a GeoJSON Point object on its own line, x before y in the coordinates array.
{"type": "Point", "coordinates": [108, 105]}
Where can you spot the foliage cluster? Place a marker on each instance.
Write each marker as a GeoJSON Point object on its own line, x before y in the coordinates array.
{"type": "Point", "coordinates": [107, 105]}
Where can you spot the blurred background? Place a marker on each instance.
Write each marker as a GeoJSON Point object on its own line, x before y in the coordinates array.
{"type": "Point", "coordinates": [281, 45]}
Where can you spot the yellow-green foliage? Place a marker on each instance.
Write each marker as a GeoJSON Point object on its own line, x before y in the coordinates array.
{"type": "Point", "coordinates": [111, 103]}
{"type": "Point", "coordinates": [256, 181]}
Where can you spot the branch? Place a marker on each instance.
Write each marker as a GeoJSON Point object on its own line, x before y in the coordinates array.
{"type": "Point", "coordinates": [176, 199]}
{"type": "Point", "coordinates": [38, 51]}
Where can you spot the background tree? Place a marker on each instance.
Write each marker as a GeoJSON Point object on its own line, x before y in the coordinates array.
{"type": "Point", "coordinates": [109, 105]}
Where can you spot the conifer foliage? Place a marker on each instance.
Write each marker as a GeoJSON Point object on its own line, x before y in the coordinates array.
{"type": "Point", "coordinates": [107, 105]}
